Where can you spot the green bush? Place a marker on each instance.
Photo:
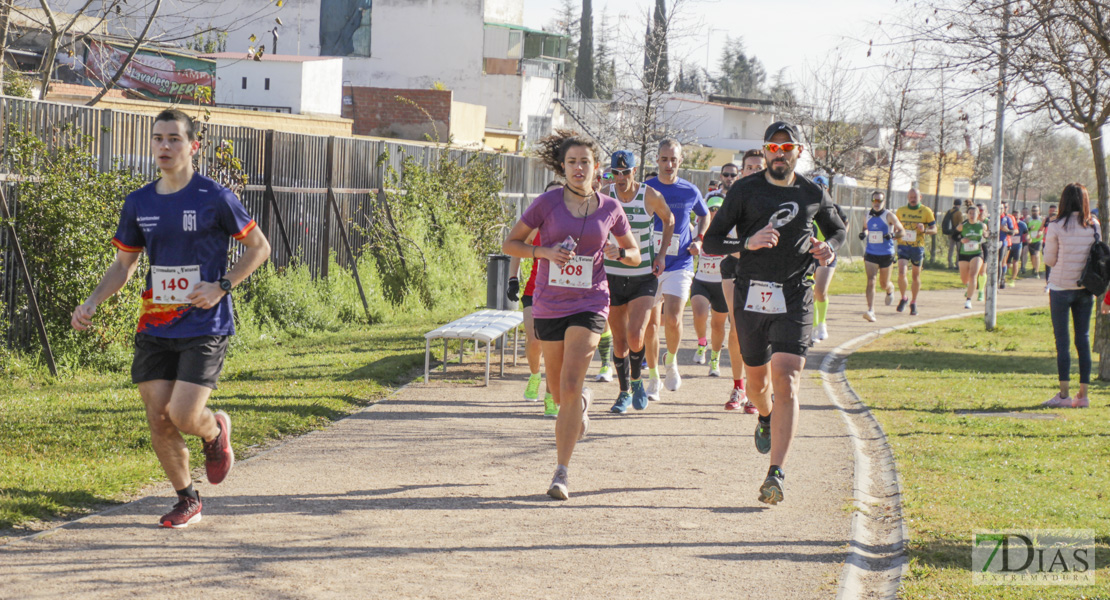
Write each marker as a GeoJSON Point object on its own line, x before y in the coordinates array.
{"type": "Point", "coordinates": [68, 211]}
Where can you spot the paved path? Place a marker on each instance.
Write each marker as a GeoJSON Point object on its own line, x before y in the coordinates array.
{"type": "Point", "coordinates": [439, 492]}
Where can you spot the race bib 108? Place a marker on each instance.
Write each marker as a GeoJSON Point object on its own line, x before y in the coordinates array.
{"type": "Point", "coordinates": [172, 285]}
{"type": "Point", "coordinates": [578, 273]}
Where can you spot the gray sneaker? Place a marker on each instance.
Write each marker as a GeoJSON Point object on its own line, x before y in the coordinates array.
{"type": "Point", "coordinates": [587, 397]}
{"type": "Point", "coordinates": [762, 437]}
{"type": "Point", "coordinates": [558, 489]}
{"type": "Point", "coordinates": [654, 387]}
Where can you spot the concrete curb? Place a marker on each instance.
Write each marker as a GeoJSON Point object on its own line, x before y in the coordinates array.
{"type": "Point", "coordinates": [39, 534]}
{"type": "Point", "coordinates": [877, 558]}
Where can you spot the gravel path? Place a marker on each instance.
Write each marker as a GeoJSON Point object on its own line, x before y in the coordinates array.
{"type": "Point", "coordinates": [439, 492]}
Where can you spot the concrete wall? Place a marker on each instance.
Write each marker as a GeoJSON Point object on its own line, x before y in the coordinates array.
{"type": "Point", "coordinates": [285, 83]}
{"type": "Point", "coordinates": [510, 12]}
{"type": "Point", "coordinates": [468, 124]}
{"type": "Point", "coordinates": [501, 94]}
{"type": "Point", "coordinates": [322, 89]}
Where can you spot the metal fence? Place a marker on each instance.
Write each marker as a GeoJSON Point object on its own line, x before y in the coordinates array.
{"type": "Point", "coordinates": [296, 183]}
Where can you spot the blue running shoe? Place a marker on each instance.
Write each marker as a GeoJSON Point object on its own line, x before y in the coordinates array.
{"type": "Point", "coordinates": [762, 437]}
{"type": "Point", "coordinates": [639, 395]}
{"type": "Point", "coordinates": [624, 400]}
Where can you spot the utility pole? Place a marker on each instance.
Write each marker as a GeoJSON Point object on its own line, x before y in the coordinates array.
{"type": "Point", "coordinates": [991, 296]}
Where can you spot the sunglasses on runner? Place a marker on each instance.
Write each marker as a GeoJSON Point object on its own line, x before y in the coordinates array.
{"type": "Point", "coordinates": [787, 147]}
{"type": "Point", "coordinates": [730, 175]}
{"type": "Point", "coordinates": [607, 175]}
{"type": "Point", "coordinates": [623, 172]}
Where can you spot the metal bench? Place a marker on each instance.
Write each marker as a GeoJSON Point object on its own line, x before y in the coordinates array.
{"type": "Point", "coordinates": [482, 326]}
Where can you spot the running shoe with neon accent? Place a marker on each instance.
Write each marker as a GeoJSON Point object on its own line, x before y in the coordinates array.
{"type": "Point", "coordinates": [674, 380]}
{"type": "Point", "coordinates": [979, 296]}
{"type": "Point", "coordinates": [699, 355]}
{"type": "Point", "coordinates": [715, 367]}
{"type": "Point", "coordinates": [184, 513]}
{"type": "Point", "coordinates": [218, 455]}
{"type": "Point", "coordinates": [550, 409]}
{"type": "Point", "coordinates": [624, 400]}
{"type": "Point", "coordinates": [771, 490]}
{"type": "Point", "coordinates": [654, 388]}
{"type": "Point", "coordinates": [558, 489]}
{"type": "Point", "coordinates": [605, 374]}
{"type": "Point", "coordinates": [639, 395]}
{"type": "Point", "coordinates": [735, 399]}
{"type": "Point", "coordinates": [762, 437]}
{"type": "Point", "coordinates": [532, 392]}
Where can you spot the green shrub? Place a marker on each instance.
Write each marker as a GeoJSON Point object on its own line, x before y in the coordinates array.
{"type": "Point", "coordinates": [68, 211]}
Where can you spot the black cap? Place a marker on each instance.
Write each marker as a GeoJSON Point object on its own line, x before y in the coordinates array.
{"type": "Point", "coordinates": [790, 129]}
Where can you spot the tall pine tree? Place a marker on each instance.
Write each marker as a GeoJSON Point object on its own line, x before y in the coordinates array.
{"type": "Point", "coordinates": [584, 74]}
{"type": "Point", "coordinates": [658, 41]}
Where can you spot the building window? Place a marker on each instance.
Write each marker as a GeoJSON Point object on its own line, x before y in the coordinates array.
{"type": "Point", "coordinates": [267, 83]}
{"type": "Point", "coordinates": [244, 83]}
{"type": "Point", "coordinates": [961, 188]}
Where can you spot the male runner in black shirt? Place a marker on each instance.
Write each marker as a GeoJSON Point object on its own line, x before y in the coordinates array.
{"type": "Point", "coordinates": [773, 212]}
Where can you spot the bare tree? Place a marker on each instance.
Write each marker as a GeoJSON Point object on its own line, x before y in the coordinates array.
{"type": "Point", "coordinates": [904, 110]}
{"type": "Point", "coordinates": [831, 109]}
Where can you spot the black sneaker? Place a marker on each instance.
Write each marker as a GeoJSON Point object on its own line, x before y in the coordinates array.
{"type": "Point", "coordinates": [901, 305]}
{"type": "Point", "coordinates": [771, 490]}
{"type": "Point", "coordinates": [762, 437]}
{"type": "Point", "coordinates": [913, 309]}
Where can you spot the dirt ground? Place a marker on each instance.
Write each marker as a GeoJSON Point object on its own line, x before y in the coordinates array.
{"type": "Point", "coordinates": [439, 492]}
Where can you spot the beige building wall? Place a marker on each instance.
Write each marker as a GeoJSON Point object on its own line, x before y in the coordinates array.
{"type": "Point", "coordinates": [468, 124]}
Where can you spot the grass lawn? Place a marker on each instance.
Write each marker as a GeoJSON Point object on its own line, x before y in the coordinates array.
{"type": "Point", "coordinates": [963, 472]}
{"type": "Point", "coordinates": [69, 445]}
{"type": "Point", "coordinates": [850, 278]}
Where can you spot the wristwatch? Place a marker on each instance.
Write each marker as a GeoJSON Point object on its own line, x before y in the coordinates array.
{"type": "Point", "coordinates": [225, 285]}
{"type": "Point", "coordinates": [623, 253]}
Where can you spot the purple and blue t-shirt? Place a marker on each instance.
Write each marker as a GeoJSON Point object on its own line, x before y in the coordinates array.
{"type": "Point", "coordinates": [682, 197]}
{"type": "Point", "coordinates": [186, 236]}
{"type": "Point", "coordinates": [550, 215]}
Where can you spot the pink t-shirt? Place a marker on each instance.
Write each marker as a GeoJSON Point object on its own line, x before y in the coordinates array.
{"type": "Point", "coordinates": [550, 215]}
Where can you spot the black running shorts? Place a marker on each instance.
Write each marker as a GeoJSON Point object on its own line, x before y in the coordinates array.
{"type": "Point", "coordinates": [196, 360]}
{"type": "Point", "coordinates": [762, 335]}
{"type": "Point", "coordinates": [728, 267]}
{"type": "Point", "coordinates": [555, 330]}
{"type": "Point", "coordinates": [970, 257]}
{"type": "Point", "coordinates": [1034, 247]}
{"type": "Point", "coordinates": [883, 260]}
{"type": "Point", "coordinates": [712, 291]}
{"type": "Point", "coordinates": [623, 290]}
{"type": "Point", "coordinates": [1014, 254]}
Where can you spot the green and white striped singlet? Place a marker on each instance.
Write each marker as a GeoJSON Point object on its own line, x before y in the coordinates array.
{"type": "Point", "coordinates": [642, 224]}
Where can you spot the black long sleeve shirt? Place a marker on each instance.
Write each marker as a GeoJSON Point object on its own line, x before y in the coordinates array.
{"type": "Point", "coordinates": [751, 203]}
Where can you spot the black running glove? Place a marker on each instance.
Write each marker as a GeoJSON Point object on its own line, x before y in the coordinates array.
{"type": "Point", "coordinates": [862, 235]}
{"type": "Point", "coordinates": [513, 293]}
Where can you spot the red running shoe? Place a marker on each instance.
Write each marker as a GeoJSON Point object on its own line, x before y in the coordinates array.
{"type": "Point", "coordinates": [184, 513]}
{"type": "Point", "coordinates": [218, 455]}
{"type": "Point", "coordinates": [735, 400]}
{"type": "Point", "coordinates": [749, 408]}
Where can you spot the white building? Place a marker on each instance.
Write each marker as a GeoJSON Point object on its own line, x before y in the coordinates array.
{"type": "Point", "coordinates": [716, 125]}
{"type": "Point", "coordinates": [279, 83]}
{"type": "Point", "coordinates": [478, 49]}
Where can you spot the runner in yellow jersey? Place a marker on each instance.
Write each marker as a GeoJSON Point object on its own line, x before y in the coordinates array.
{"type": "Point", "coordinates": [919, 222]}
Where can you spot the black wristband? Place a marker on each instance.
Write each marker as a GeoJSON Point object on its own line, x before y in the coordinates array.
{"type": "Point", "coordinates": [623, 253]}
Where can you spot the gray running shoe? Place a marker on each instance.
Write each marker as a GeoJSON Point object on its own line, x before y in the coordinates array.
{"type": "Point", "coordinates": [771, 490]}
{"type": "Point", "coordinates": [762, 437]}
{"type": "Point", "coordinates": [587, 397]}
{"type": "Point", "coordinates": [558, 489]}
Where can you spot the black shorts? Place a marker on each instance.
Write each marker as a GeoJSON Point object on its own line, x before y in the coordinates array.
{"type": "Point", "coordinates": [728, 267]}
{"type": "Point", "coordinates": [1034, 247]}
{"type": "Point", "coordinates": [762, 335]}
{"type": "Point", "coordinates": [883, 261]}
{"type": "Point", "coordinates": [196, 360]}
{"type": "Point", "coordinates": [1014, 254]}
{"type": "Point", "coordinates": [970, 257]}
{"type": "Point", "coordinates": [712, 291]}
{"type": "Point", "coordinates": [526, 301]}
{"type": "Point", "coordinates": [555, 330]}
{"type": "Point", "coordinates": [623, 290]}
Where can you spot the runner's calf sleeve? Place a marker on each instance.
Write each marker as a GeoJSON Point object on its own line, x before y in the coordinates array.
{"type": "Point", "coordinates": [981, 280]}
{"type": "Point", "coordinates": [604, 347]}
{"type": "Point", "coordinates": [622, 365]}
{"type": "Point", "coordinates": [821, 308]}
{"type": "Point", "coordinates": [637, 359]}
